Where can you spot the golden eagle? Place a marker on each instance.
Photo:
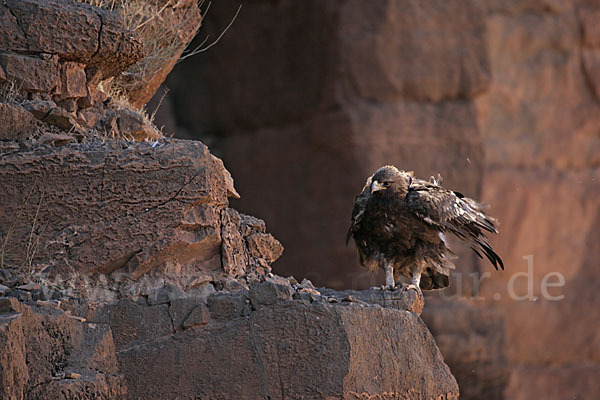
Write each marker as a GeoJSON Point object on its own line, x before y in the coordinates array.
{"type": "Point", "coordinates": [398, 224]}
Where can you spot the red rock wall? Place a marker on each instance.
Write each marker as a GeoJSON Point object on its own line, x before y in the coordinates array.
{"type": "Point", "coordinates": [303, 100]}
{"type": "Point", "coordinates": [540, 120]}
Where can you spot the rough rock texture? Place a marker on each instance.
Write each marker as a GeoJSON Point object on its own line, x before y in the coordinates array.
{"type": "Point", "coordinates": [69, 31]}
{"type": "Point", "coordinates": [48, 354]}
{"type": "Point", "coordinates": [56, 58]}
{"type": "Point", "coordinates": [69, 55]}
{"type": "Point", "coordinates": [129, 208]}
{"type": "Point", "coordinates": [500, 97]}
{"type": "Point", "coordinates": [269, 345]}
{"type": "Point", "coordinates": [272, 341]}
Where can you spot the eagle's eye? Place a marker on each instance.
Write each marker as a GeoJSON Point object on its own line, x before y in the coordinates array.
{"type": "Point", "coordinates": [386, 184]}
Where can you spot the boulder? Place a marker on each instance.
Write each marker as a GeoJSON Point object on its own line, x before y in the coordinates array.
{"type": "Point", "coordinates": [48, 354]}
{"type": "Point", "coordinates": [73, 31]}
{"type": "Point", "coordinates": [268, 345]}
{"type": "Point", "coordinates": [17, 122]}
{"type": "Point", "coordinates": [145, 215]}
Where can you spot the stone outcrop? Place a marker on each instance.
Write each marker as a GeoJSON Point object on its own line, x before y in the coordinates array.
{"type": "Point", "coordinates": [84, 69]}
{"type": "Point", "coordinates": [48, 353]}
{"type": "Point", "coordinates": [275, 340]}
{"type": "Point", "coordinates": [64, 48]}
{"type": "Point", "coordinates": [156, 213]}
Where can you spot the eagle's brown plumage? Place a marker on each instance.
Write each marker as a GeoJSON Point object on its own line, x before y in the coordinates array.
{"type": "Point", "coordinates": [398, 224]}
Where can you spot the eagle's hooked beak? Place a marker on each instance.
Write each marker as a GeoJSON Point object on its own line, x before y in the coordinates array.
{"type": "Point", "coordinates": [375, 186]}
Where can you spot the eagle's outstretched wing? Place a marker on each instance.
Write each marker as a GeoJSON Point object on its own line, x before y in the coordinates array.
{"type": "Point", "coordinates": [453, 212]}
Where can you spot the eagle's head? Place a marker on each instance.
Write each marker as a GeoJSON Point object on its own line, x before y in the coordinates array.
{"type": "Point", "coordinates": [390, 180]}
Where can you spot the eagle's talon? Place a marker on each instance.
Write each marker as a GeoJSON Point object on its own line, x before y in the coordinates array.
{"type": "Point", "coordinates": [413, 287]}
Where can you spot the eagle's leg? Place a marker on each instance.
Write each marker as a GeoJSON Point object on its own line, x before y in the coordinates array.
{"type": "Point", "coordinates": [389, 276]}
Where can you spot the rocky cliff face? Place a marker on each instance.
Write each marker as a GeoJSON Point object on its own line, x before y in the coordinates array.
{"type": "Point", "coordinates": [275, 340]}
{"type": "Point", "coordinates": [125, 273]}
{"type": "Point", "coordinates": [500, 97]}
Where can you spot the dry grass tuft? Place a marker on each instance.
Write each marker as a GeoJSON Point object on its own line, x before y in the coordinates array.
{"type": "Point", "coordinates": [20, 255]}
{"type": "Point", "coordinates": [11, 94]}
{"type": "Point", "coordinates": [161, 28]}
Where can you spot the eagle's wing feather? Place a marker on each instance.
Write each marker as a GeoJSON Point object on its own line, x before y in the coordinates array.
{"type": "Point", "coordinates": [451, 211]}
{"type": "Point", "coordinates": [360, 204]}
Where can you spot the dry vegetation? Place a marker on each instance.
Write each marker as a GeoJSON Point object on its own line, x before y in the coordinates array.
{"type": "Point", "coordinates": [160, 35]}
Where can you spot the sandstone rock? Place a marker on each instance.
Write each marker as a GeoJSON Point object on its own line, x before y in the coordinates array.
{"type": "Point", "coordinates": [55, 139]}
{"type": "Point", "coordinates": [591, 65]}
{"type": "Point", "coordinates": [133, 323]}
{"type": "Point", "coordinates": [165, 294]}
{"type": "Point", "coordinates": [192, 177]}
{"type": "Point", "coordinates": [234, 261]}
{"type": "Point", "coordinates": [132, 125]}
{"type": "Point", "coordinates": [345, 57]}
{"type": "Point", "coordinates": [29, 73]}
{"type": "Point", "coordinates": [443, 38]}
{"type": "Point", "coordinates": [12, 37]}
{"type": "Point", "coordinates": [264, 245]}
{"type": "Point", "coordinates": [70, 105]}
{"type": "Point", "coordinates": [231, 192]}
{"type": "Point", "coordinates": [39, 343]}
{"type": "Point", "coordinates": [66, 28]}
{"type": "Point", "coordinates": [534, 251]}
{"type": "Point", "coordinates": [16, 122]}
{"type": "Point", "coordinates": [40, 108]}
{"type": "Point", "coordinates": [287, 349]}
{"type": "Point", "coordinates": [554, 382]}
{"type": "Point", "coordinates": [398, 299]}
{"type": "Point", "coordinates": [522, 49]}
{"type": "Point", "coordinates": [198, 316]}
{"type": "Point", "coordinates": [267, 293]}
{"type": "Point", "coordinates": [21, 295]}
{"type": "Point", "coordinates": [9, 305]}
{"type": "Point", "coordinates": [76, 32]}
{"type": "Point", "coordinates": [225, 306]}
{"type": "Point", "coordinates": [31, 286]}
{"type": "Point", "coordinates": [188, 312]}
{"type": "Point", "coordinates": [88, 118]}
{"type": "Point", "coordinates": [46, 111]}
{"type": "Point", "coordinates": [13, 368]}
{"type": "Point", "coordinates": [588, 17]}
{"type": "Point", "coordinates": [118, 48]}
{"type": "Point", "coordinates": [73, 81]}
